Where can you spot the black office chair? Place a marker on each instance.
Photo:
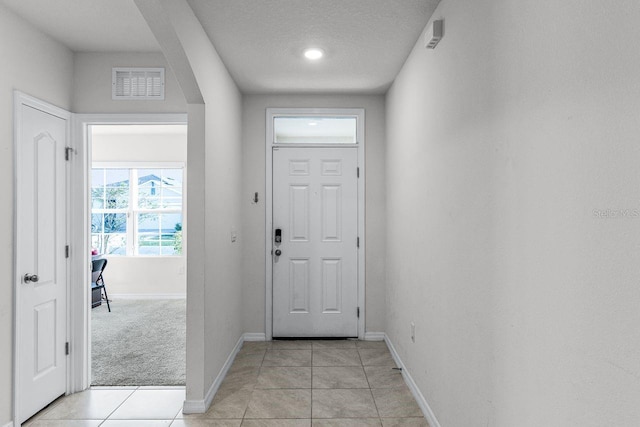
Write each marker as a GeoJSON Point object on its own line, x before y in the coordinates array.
{"type": "Point", "coordinates": [97, 281]}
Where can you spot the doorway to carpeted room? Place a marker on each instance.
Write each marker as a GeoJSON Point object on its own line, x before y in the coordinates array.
{"type": "Point", "coordinates": [137, 183]}
{"type": "Point", "coordinates": [141, 342]}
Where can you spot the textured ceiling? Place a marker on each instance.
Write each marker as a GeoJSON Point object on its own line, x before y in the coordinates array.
{"type": "Point", "coordinates": [261, 42]}
{"type": "Point", "coordinates": [89, 25]}
{"type": "Point", "coordinates": [365, 41]}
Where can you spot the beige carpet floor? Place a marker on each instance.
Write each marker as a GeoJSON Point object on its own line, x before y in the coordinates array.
{"type": "Point", "coordinates": [140, 343]}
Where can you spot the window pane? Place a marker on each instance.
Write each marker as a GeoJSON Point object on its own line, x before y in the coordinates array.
{"type": "Point", "coordinates": [97, 178]}
{"type": "Point", "coordinates": [149, 188]}
{"type": "Point", "coordinates": [97, 223]}
{"type": "Point", "coordinates": [315, 130]}
{"type": "Point", "coordinates": [171, 222]}
{"type": "Point", "coordinates": [117, 177]}
{"type": "Point", "coordinates": [109, 223]}
{"type": "Point", "coordinates": [160, 188]}
{"type": "Point", "coordinates": [172, 188]}
{"type": "Point", "coordinates": [116, 189]}
{"type": "Point", "coordinates": [109, 233]}
{"type": "Point", "coordinates": [148, 223]}
{"type": "Point", "coordinates": [115, 222]}
{"type": "Point", "coordinates": [97, 188]}
{"type": "Point", "coordinates": [97, 198]}
{"type": "Point", "coordinates": [148, 234]}
{"type": "Point", "coordinates": [116, 244]}
{"type": "Point", "coordinates": [171, 238]}
{"type": "Point", "coordinates": [159, 234]}
{"type": "Point", "coordinates": [173, 177]}
{"type": "Point", "coordinates": [110, 244]}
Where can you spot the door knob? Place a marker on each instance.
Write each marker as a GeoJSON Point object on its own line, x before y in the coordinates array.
{"type": "Point", "coordinates": [30, 278]}
{"type": "Point", "coordinates": [278, 252]}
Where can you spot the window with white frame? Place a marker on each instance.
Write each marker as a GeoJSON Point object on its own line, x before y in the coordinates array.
{"type": "Point", "coordinates": [137, 210]}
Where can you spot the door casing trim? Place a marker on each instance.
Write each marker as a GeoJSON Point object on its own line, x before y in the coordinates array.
{"type": "Point", "coordinates": [80, 269]}
{"type": "Point", "coordinates": [359, 114]}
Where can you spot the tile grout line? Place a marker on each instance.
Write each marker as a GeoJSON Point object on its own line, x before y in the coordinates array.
{"type": "Point", "coordinates": [370, 391]}
{"type": "Point", "coordinates": [121, 403]}
{"type": "Point", "coordinates": [311, 403]}
{"type": "Point", "coordinates": [371, 388]}
{"type": "Point", "coordinates": [253, 390]}
{"type": "Point", "coordinates": [178, 413]}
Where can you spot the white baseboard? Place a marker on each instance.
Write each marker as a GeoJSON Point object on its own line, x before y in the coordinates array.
{"type": "Point", "coordinates": [201, 406]}
{"type": "Point", "coordinates": [147, 296]}
{"type": "Point", "coordinates": [417, 394]}
{"type": "Point", "coordinates": [374, 336]}
{"type": "Point", "coordinates": [9, 424]}
{"type": "Point", "coordinates": [255, 336]}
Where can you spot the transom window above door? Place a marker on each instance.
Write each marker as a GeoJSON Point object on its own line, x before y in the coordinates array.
{"type": "Point", "coordinates": [136, 211]}
{"type": "Point", "coordinates": [314, 130]}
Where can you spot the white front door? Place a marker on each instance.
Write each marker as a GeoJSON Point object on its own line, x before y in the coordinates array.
{"type": "Point", "coordinates": [315, 262]}
{"type": "Point", "coordinates": [41, 268]}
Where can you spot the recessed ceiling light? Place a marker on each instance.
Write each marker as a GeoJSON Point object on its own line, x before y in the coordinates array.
{"type": "Point", "coordinates": [313, 123]}
{"type": "Point", "coordinates": [313, 53]}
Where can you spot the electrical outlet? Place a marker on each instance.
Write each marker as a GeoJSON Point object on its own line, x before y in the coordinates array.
{"type": "Point", "coordinates": [413, 332]}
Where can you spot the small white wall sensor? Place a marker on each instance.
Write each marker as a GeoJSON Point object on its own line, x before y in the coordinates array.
{"type": "Point", "coordinates": [433, 35]}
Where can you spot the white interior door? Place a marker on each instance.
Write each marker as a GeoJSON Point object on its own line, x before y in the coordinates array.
{"type": "Point", "coordinates": [41, 273]}
{"type": "Point", "coordinates": [315, 264]}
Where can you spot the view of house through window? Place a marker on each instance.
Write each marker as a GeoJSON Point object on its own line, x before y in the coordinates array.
{"type": "Point", "coordinates": [136, 211]}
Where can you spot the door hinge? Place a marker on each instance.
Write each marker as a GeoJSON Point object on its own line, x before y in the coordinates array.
{"type": "Point", "coordinates": [67, 152]}
{"type": "Point", "coordinates": [358, 242]}
{"type": "Point", "coordinates": [66, 348]}
{"type": "Point", "coordinates": [358, 172]}
{"type": "Point", "coordinates": [66, 251]}
{"type": "Point", "coordinates": [358, 312]}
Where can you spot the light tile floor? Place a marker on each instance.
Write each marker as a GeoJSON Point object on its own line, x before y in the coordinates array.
{"type": "Point", "coordinates": [281, 384]}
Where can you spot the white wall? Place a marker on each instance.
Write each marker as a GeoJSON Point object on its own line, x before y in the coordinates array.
{"type": "Point", "coordinates": [92, 84]}
{"type": "Point", "coordinates": [253, 215]}
{"type": "Point", "coordinates": [146, 276]}
{"type": "Point", "coordinates": [140, 147]}
{"type": "Point", "coordinates": [214, 305]}
{"type": "Point", "coordinates": [35, 64]}
{"type": "Point", "coordinates": [507, 145]}
{"type": "Point", "coordinates": [143, 275]}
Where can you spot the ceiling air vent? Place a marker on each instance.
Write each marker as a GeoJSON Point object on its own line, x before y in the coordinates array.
{"type": "Point", "coordinates": [137, 83]}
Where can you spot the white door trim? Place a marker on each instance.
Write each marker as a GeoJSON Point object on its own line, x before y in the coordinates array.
{"type": "Point", "coordinates": [20, 99]}
{"type": "Point", "coordinates": [80, 271]}
{"type": "Point", "coordinates": [358, 113]}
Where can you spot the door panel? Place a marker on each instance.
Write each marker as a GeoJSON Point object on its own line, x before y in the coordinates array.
{"type": "Point", "coordinates": [331, 213]}
{"type": "Point", "coordinates": [315, 279]}
{"type": "Point", "coordinates": [299, 213]}
{"type": "Point", "coordinates": [331, 286]}
{"type": "Point", "coordinates": [41, 231]}
{"type": "Point", "coordinates": [299, 277]}
{"type": "Point", "coordinates": [45, 329]}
